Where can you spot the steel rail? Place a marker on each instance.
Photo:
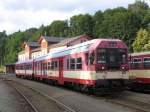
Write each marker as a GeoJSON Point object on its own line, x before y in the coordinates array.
{"type": "Point", "coordinates": [47, 96]}
{"type": "Point", "coordinates": [26, 99]}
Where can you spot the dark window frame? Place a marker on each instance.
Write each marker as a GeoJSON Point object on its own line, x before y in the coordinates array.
{"type": "Point", "coordinates": [79, 63]}
{"type": "Point", "coordinates": [72, 63]}
{"type": "Point", "coordinates": [146, 64]}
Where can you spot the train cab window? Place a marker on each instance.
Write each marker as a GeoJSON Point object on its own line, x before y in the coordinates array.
{"type": "Point", "coordinates": [146, 62]}
{"type": "Point", "coordinates": [122, 57]}
{"type": "Point", "coordinates": [136, 63]}
{"type": "Point", "coordinates": [72, 63]}
{"type": "Point", "coordinates": [79, 63]}
{"type": "Point", "coordinates": [92, 57]}
{"type": "Point", "coordinates": [101, 56]}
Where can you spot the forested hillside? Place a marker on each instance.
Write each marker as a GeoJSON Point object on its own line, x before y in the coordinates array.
{"type": "Point", "coordinates": [131, 24]}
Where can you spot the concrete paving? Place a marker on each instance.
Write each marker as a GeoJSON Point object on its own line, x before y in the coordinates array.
{"type": "Point", "coordinates": [10, 100]}
{"type": "Point", "coordinates": [77, 101]}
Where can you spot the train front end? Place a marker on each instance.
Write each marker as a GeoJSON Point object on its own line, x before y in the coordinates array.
{"type": "Point", "coordinates": [111, 65]}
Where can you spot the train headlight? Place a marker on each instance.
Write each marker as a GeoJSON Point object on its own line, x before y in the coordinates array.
{"type": "Point", "coordinates": [103, 67]}
{"type": "Point", "coordinates": [123, 67]}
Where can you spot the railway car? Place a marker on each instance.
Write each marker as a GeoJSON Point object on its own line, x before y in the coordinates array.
{"type": "Point", "coordinates": [139, 72]}
{"type": "Point", "coordinates": [24, 69]}
{"type": "Point", "coordinates": [98, 65]}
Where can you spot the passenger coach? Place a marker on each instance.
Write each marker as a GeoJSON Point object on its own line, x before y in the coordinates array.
{"type": "Point", "coordinates": [99, 65]}
{"type": "Point", "coordinates": [139, 72]}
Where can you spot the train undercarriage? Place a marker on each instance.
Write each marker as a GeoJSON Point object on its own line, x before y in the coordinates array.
{"type": "Point", "coordinates": [101, 86]}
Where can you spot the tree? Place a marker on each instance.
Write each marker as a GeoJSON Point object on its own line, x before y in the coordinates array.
{"type": "Point", "coordinates": [142, 41]}
{"type": "Point", "coordinates": [57, 28]}
{"type": "Point", "coordinates": [146, 19]}
{"type": "Point", "coordinates": [119, 23]}
{"type": "Point", "coordinates": [81, 24]}
{"type": "Point", "coordinates": [3, 37]}
{"type": "Point", "coordinates": [139, 9]}
{"type": "Point", "coordinates": [97, 21]}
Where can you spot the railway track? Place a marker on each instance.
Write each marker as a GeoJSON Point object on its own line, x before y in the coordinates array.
{"type": "Point", "coordinates": [136, 105]}
{"type": "Point", "coordinates": [139, 106]}
{"type": "Point", "coordinates": [61, 106]}
{"type": "Point", "coordinates": [26, 99]}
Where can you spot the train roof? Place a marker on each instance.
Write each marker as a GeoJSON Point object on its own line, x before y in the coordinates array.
{"type": "Point", "coordinates": [82, 47]}
{"type": "Point", "coordinates": [26, 61]}
{"type": "Point", "coordinates": [140, 53]}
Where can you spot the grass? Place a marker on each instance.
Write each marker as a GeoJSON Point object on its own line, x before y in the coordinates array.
{"type": "Point", "coordinates": [2, 69]}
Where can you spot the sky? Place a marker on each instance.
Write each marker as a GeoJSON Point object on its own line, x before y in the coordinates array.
{"type": "Point", "coordinates": [23, 14]}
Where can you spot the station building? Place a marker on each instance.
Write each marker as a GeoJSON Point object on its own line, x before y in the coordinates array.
{"type": "Point", "coordinates": [44, 45]}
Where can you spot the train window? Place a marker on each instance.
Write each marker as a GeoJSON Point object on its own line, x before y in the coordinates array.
{"type": "Point", "coordinates": [49, 65]}
{"type": "Point", "coordinates": [136, 63]}
{"type": "Point", "coordinates": [112, 44]}
{"type": "Point", "coordinates": [72, 63]}
{"type": "Point", "coordinates": [101, 56]}
{"type": "Point", "coordinates": [79, 63]}
{"type": "Point", "coordinates": [52, 65]}
{"type": "Point", "coordinates": [45, 66]}
{"type": "Point", "coordinates": [122, 57]}
{"type": "Point", "coordinates": [67, 63]}
{"type": "Point", "coordinates": [137, 60]}
{"type": "Point", "coordinates": [87, 58]}
{"type": "Point", "coordinates": [147, 62]}
{"type": "Point", "coordinates": [55, 64]}
{"type": "Point", "coordinates": [92, 57]}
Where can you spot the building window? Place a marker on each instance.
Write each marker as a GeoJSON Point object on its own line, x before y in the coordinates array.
{"type": "Point", "coordinates": [79, 63]}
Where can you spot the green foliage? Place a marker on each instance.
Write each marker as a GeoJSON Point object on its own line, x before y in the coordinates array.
{"type": "Point", "coordinates": [138, 7]}
{"type": "Point", "coordinates": [2, 69]}
{"type": "Point", "coordinates": [142, 41]}
{"type": "Point", "coordinates": [3, 38]}
{"type": "Point", "coordinates": [120, 24]}
{"type": "Point", "coordinates": [57, 29]}
{"type": "Point", "coordinates": [146, 19]}
{"type": "Point", "coordinates": [81, 24]}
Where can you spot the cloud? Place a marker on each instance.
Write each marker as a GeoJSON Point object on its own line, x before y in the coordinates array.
{"type": "Point", "coordinates": [19, 15]}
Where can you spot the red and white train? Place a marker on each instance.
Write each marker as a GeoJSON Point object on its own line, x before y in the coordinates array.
{"type": "Point", "coordinates": [139, 72]}
{"type": "Point", "coordinates": [97, 65]}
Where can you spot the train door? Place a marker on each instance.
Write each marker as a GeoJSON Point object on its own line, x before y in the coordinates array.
{"type": "Point", "coordinates": [24, 68]}
{"type": "Point", "coordinates": [44, 69]}
{"type": "Point", "coordinates": [61, 71]}
{"type": "Point", "coordinates": [92, 56]}
{"type": "Point", "coordinates": [40, 68]}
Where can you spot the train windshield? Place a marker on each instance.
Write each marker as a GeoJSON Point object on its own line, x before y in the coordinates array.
{"type": "Point", "coordinates": [112, 56]}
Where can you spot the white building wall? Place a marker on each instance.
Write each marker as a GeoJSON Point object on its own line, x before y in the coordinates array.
{"type": "Point", "coordinates": [35, 54]}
